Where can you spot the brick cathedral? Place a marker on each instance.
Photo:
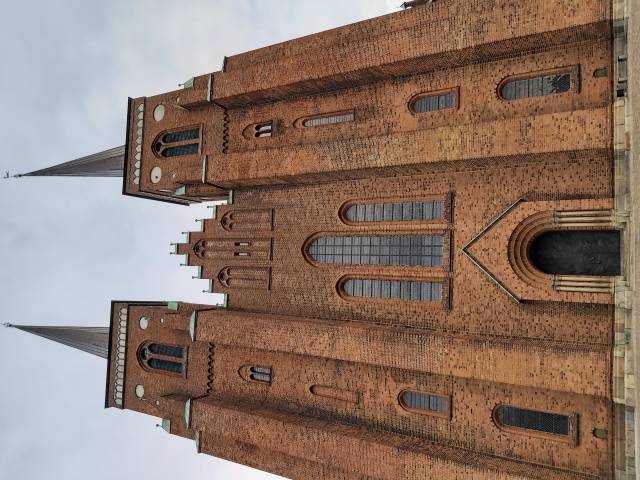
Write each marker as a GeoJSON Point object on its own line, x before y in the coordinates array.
{"type": "Point", "coordinates": [423, 250]}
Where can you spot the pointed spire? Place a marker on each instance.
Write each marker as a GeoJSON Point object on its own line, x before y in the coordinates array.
{"type": "Point", "coordinates": [109, 163]}
{"type": "Point", "coordinates": [94, 340]}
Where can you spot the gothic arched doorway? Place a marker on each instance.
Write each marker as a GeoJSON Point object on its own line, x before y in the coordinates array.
{"type": "Point", "coordinates": [577, 252]}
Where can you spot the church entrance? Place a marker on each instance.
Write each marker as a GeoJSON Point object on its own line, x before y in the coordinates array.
{"type": "Point", "coordinates": [577, 252]}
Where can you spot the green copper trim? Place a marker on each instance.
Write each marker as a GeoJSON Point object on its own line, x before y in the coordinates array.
{"type": "Point", "coordinates": [193, 322]}
{"type": "Point", "coordinates": [188, 83]}
{"type": "Point", "coordinates": [230, 200]}
{"type": "Point", "coordinates": [187, 414]}
{"type": "Point", "coordinates": [601, 433]}
{"type": "Point", "coordinates": [209, 85]}
{"type": "Point", "coordinates": [600, 73]}
{"type": "Point", "coordinates": [204, 169]}
{"type": "Point", "coordinates": [197, 442]}
{"type": "Point", "coordinates": [181, 191]}
{"type": "Point", "coordinates": [173, 306]}
{"type": "Point", "coordinates": [166, 425]}
{"type": "Point", "coordinates": [214, 212]}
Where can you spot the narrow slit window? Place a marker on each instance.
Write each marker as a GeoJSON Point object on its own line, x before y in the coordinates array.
{"type": "Point", "coordinates": [423, 251]}
{"type": "Point", "coordinates": [532, 420]}
{"type": "Point", "coordinates": [393, 289]}
{"type": "Point", "coordinates": [425, 103]}
{"type": "Point", "coordinates": [426, 403]}
{"type": "Point", "coordinates": [537, 86]}
{"type": "Point", "coordinates": [330, 119]}
{"type": "Point", "coordinates": [396, 211]}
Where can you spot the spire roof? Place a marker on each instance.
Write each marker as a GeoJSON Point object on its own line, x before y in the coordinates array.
{"type": "Point", "coordinates": [94, 340]}
{"type": "Point", "coordinates": [109, 163]}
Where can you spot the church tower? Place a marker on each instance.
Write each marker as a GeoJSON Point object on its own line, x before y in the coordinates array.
{"type": "Point", "coordinates": [425, 250]}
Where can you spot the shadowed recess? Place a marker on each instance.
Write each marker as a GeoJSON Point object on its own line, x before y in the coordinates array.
{"type": "Point", "coordinates": [580, 252]}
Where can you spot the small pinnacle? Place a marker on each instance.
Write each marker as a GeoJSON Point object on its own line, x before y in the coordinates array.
{"type": "Point", "coordinates": [415, 3]}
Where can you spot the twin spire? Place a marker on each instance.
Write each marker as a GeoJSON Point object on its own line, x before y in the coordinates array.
{"type": "Point", "coordinates": [109, 163]}
{"type": "Point", "coordinates": [94, 340]}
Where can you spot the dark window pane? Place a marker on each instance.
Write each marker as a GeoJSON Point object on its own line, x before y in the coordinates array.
{"type": "Point", "coordinates": [397, 289]}
{"type": "Point", "coordinates": [167, 350]}
{"type": "Point", "coordinates": [329, 120]}
{"type": "Point", "coordinates": [537, 86]}
{"type": "Point", "coordinates": [190, 149]}
{"type": "Point", "coordinates": [533, 420]}
{"type": "Point", "coordinates": [165, 365]}
{"type": "Point", "coordinates": [182, 136]}
{"type": "Point", "coordinates": [431, 103]}
{"type": "Point", "coordinates": [387, 250]}
{"type": "Point", "coordinates": [397, 212]}
{"type": "Point", "coordinates": [424, 401]}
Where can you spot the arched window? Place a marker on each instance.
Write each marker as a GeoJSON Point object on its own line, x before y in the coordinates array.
{"type": "Point", "coordinates": [328, 119]}
{"type": "Point", "coordinates": [577, 252]}
{"type": "Point", "coordinates": [424, 251]}
{"type": "Point", "coordinates": [395, 211]}
{"type": "Point", "coordinates": [256, 374]}
{"type": "Point", "coordinates": [430, 102]}
{"type": "Point", "coordinates": [159, 356]}
{"type": "Point", "coordinates": [178, 143]}
{"type": "Point", "coordinates": [426, 403]}
{"type": "Point", "coordinates": [393, 289]}
{"type": "Point", "coordinates": [537, 86]}
{"type": "Point", "coordinates": [509, 417]}
{"type": "Point", "coordinates": [263, 130]}
{"type": "Point", "coordinates": [260, 374]}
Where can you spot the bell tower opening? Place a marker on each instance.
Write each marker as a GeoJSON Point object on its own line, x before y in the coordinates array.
{"type": "Point", "coordinates": [577, 252]}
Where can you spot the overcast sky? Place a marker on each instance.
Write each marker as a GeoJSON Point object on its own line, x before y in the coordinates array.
{"type": "Point", "coordinates": [69, 246]}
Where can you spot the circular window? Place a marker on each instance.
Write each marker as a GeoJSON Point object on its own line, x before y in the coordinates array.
{"type": "Point", "coordinates": [144, 323]}
{"type": "Point", "coordinates": [139, 391]}
{"type": "Point", "coordinates": [158, 113]}
{"type": "Point", "coordinates": [156, 174]}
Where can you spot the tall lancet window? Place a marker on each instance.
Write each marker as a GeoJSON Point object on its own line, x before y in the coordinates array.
{"type": "Point", "coordinates": [162, 357]}
{"type": "Point", "coordinates": [178, 142]}
{"type": "Point", "coordinates": [409, 250]}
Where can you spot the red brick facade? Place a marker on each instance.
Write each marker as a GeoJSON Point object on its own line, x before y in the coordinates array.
{"type": "Point", "coordinates": [300, 376]}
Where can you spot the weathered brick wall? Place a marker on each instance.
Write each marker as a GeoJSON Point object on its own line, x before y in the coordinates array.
{"type": "Point", "coordinates": [477, 306]}
{"type": "Point", "coordinates": [286, 312]}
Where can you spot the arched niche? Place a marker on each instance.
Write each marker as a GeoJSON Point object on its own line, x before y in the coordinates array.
{"type": "Point", "coordinates": [562, 250]}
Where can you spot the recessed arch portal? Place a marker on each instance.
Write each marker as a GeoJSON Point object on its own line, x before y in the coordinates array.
{"type": "Point", "coordinates": [577, 252]}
